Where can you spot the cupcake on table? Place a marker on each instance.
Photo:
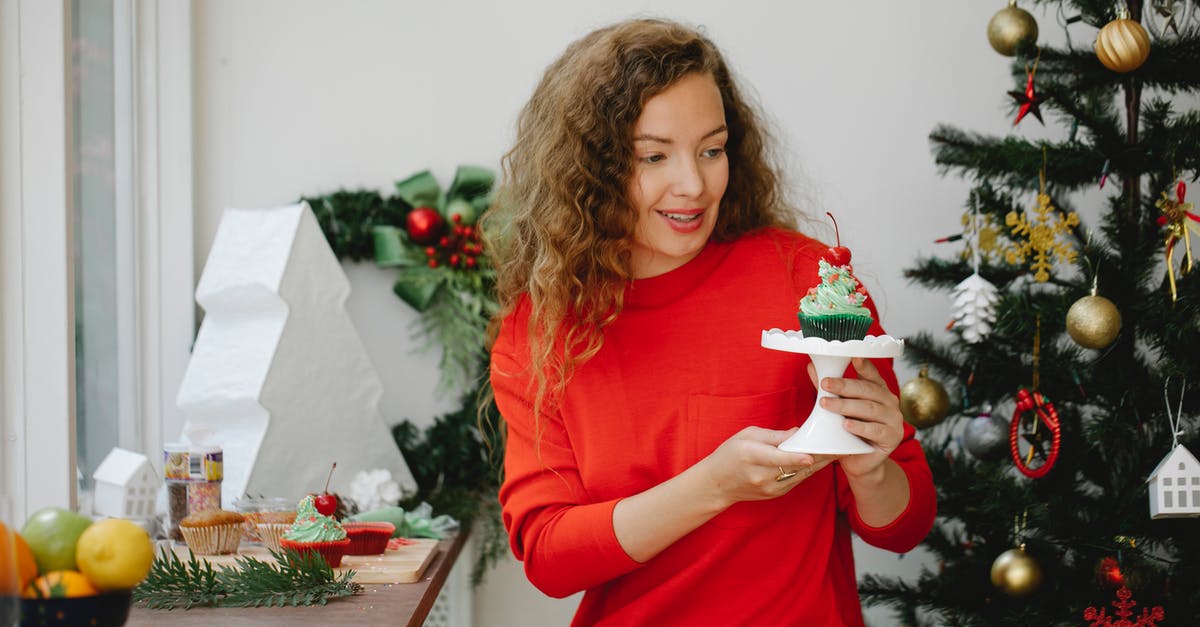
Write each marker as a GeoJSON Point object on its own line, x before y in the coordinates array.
{"type": "Point", "coordinates": [313, 531]}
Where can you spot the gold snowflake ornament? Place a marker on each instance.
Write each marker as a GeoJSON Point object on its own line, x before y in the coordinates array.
{"type": "Point", "coordinates": [983, 232]}
{"type": "Point", "coordinates": [1038, 239]}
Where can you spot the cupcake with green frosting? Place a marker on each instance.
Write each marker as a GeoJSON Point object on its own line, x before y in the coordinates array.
{"type": "Point", "coordinates": [834, 309]}
{"type": "Point", "coordinates": [315, 532]}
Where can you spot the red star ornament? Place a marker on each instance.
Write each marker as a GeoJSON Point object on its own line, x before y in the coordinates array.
{"type": "Point", "coordinates": [1029, 101]}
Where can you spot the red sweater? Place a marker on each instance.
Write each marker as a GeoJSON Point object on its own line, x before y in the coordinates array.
{"type": "Point", "coordinates": [680, 371]}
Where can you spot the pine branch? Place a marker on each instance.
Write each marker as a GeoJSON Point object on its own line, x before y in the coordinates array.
{"type": "Point", "coordinates": [347, 217]}
{"type": "Point", "coordinates": [295, 579]}
{"type": "Point", "coordinates": [172, 583]}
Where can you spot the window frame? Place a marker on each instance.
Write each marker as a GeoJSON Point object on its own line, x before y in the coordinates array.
{"type": "Point", "coordinates": [37, 343]}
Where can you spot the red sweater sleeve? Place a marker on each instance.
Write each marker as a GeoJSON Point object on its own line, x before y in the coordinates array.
{"type": "Point", "coordinates": [566, 541]}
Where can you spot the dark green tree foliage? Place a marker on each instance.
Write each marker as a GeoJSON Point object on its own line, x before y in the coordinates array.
{"type": "Point", "coordinates": [1094, 503]}
{"type": "Point", "coordinates": [347, 217]}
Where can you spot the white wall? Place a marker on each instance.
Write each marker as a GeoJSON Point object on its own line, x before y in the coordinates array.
{"type": "Point", "coordinates": [305, 97]}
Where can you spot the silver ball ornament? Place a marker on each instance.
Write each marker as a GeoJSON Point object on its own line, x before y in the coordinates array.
{"type": "Point", "coordinates": [986, 436]}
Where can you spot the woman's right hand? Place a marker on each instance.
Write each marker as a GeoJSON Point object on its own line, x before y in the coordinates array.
{"type": "Point", "coordinates": [749, 466]}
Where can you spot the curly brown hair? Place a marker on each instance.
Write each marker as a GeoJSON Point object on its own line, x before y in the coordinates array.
{"type": "Point", "coordinates": [562, 227]}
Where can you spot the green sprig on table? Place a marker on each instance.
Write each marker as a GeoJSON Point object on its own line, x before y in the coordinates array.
{"type": "Point", "coordinates": [294, 579]}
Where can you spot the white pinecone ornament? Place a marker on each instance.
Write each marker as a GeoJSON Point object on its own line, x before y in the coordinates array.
{"type": "Point", "coordinates": [974, 308]}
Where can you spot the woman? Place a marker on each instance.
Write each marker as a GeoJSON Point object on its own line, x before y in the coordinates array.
{"type": "Point", "coordinates": [644, 245]}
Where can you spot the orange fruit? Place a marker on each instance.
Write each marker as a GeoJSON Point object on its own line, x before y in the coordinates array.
{"type": "Point", "coordinates": [17, 551]}
{"type": "Point", "coordinates": [59, 584]}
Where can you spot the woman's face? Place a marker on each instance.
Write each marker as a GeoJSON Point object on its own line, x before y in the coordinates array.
{"type": "Point", "coordinates": [680, 174]}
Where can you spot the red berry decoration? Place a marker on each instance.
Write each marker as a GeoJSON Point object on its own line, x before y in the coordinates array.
{"type": "Point", "coordinates": [424, 225]}
{"type": "Point", "coordinates": [325, 502]}
{"type": "Point", "coordinates": [838, 255]}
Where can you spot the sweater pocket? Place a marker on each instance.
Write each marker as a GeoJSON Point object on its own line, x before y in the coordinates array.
{"type": "Point", "coordinates": [711, 420]}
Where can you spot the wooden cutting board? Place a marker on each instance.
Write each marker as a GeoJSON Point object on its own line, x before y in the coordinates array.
{"type": "Point", "coordinates": [403, 565]}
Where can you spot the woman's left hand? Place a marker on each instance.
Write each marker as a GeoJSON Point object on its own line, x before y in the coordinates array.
{"type": "Point", "coordinates": [872, 413]}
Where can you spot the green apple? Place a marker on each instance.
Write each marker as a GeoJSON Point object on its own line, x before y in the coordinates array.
{"type": "Point", "coordinates": [51, 534]}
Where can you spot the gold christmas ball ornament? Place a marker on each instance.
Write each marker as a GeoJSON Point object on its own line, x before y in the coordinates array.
{"type": "Point", "coordinates": [923, 401]}
{"type": "Point", "coordinates": [1009, 27]}
{"type": "Point", "coordinates": [1016, 573]}
{"type": "Point", "coordinates": [1122, 45]}
{"type": "Point", "coordinates": [1093, 322]}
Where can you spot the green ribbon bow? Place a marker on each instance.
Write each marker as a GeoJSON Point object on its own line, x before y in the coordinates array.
{"type": "Point", "coordinates": [469, 195]}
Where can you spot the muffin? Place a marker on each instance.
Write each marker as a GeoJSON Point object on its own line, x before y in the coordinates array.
{"type": "Point", "coordinates": [213, 532]}
{"type": "Point", "coordinates": [368, 538]}
{"type": "Point", "coordinates": [314, 532]}
{"type": "Point", "coordinates": [259, 510]}
{"type": "Point", "coordinates": [270, 526]}
{"type": "Point", "coordinates": [833, 309]}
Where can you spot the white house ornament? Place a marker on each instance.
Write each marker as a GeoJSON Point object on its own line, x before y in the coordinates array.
{"type": "Point", "coordinates": [126, 486]}
{"type": "Point", "coordinates": [1174, 485]}
{"type": "Point", "coordinates": [974, 308]}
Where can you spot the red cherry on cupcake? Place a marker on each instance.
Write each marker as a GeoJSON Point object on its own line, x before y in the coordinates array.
{"type": "Point", "coordinates": [325, 502]}
{"type": "Point", "coordinates": [837, 255]}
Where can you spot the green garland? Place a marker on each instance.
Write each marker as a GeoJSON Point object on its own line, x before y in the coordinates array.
{"type": "Point", "coordinates": [451, 460]}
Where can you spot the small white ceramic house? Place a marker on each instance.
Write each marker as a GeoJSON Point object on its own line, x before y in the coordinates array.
{"type": "Point", "coordinates": [1175, 485]}
{"type": "Point", "coordinates": [126, 486]}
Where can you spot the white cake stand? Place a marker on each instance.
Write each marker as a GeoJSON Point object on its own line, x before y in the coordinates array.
{"type": "Point", "coordinates": [822, 433]}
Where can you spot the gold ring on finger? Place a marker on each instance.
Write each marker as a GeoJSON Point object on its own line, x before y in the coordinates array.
{"type": "Point", "coordinates": [784, 476]}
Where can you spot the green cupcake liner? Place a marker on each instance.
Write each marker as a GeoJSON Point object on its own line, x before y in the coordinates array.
{"type": "Point", "coordinates": [842, 327]}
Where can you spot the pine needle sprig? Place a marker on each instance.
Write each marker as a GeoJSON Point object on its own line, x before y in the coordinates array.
{"type": "Point", "coordinates": [294, 579]}
{"type": "Point", "coordinates": [173, 583]}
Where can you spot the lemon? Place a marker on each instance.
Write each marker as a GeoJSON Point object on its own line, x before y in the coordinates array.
{"type": "Point", "coordinates": [115, 554]}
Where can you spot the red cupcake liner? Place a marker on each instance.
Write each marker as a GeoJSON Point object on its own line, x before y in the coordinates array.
{"type": "Point", "coordinates": [368, 538]}
{"type": "Point", "coordinates": [332, 551]}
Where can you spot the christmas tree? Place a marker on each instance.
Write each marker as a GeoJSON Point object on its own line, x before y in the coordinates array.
{"type": "Point", "coordinates": [1084, 332]}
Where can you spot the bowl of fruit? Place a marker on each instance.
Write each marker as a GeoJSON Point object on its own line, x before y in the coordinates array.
{"type": "Point", "coordinates": [78, 572]}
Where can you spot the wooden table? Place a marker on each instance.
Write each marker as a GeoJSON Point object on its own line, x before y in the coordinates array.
{"type": "Point", "coordinates": [378, 604]}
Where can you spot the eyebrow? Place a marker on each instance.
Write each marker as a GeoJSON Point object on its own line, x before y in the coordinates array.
{"type": "Point", "coordinates": [663, 140]}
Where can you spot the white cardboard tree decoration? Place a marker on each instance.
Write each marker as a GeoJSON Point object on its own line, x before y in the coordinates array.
{"type": "Point", "coordinates": [126, 486]}
{"type": "Point", "coordinates": [1175, 485]}
{"type": "Point", "coordinates": [278, 370]}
